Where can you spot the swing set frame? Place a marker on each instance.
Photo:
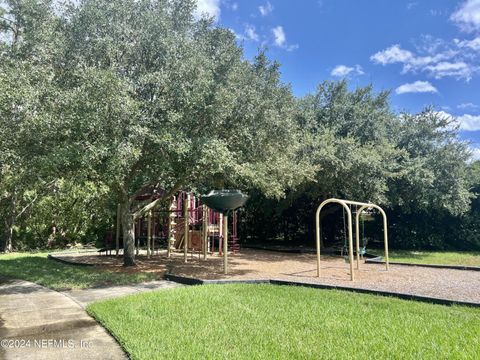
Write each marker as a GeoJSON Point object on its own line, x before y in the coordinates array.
{"type": "Point", "coordinates": [345, 204]}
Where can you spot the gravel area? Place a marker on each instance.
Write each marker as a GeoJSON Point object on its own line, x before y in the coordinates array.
{"type": "Point", "coordinates": [450, 284]}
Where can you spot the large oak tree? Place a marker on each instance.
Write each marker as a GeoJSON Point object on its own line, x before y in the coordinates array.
{"type": "Point", "coordinates": [153, 97]}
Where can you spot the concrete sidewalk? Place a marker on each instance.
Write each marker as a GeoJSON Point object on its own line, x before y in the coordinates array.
{"type": "Point", "coordinates": [38, 323]}
{"type": "Point", "coordinates": [86, 296]}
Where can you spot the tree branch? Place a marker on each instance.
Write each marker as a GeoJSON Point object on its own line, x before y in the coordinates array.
{"type": "Point", "coordinates": [154, 203]}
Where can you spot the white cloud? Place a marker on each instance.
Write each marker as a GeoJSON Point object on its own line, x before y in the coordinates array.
{"type": "Point", "coordinates": [265, 9]}
{"type": "Point", "coordinates": [459, 70]}
{"type": "Point", "coordinates": [445, 115]}
{"type": "Point", "coordinates": [234, 6]}
{"type": "Point", "coordinates": [468, 105]}
{"type": "Point", "coordinates": [342, 70]}
{"type": "Point", "coordinates": [437, 58]}
{"type": "Point", "coordinates": [411, 5]}
{"type": "Point", "coordinates": [391, 55]}
{"type": "Point", "coordinates": [416, 87]}
{"type": "Point", "coordinates": [395, 54]}
{"type": "Point", "coordinates": [472, 44]}
{"type": "Point", "coordinates": [280, 39]}
{"type": "Point", "coordinates": [237, 35]}
{"type": "Point", "coordinates": [279, 35]}
{"type": "Point", "coordinates": [430, 45]}
{"type": "Point", "coordinates": [209, 7]}
{"type": "Point", "coordinates": [436, 12]}
{"type": "Point", "coordinates": [475, 153]}
{"type": "Point", "coordinates": [466, 122]}
{"type": "Point", "coordinates": [467, 16]}
{"type": "Point", "coordinates": [250, 32]}
{"type": "Point", "coordinates": [469, 122]}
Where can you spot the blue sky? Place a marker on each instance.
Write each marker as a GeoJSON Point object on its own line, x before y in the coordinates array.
{"type": "Point", "coordinates": [425, 52]}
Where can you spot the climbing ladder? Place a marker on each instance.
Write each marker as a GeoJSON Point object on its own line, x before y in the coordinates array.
{"type": "Point", "coordinates": [198, 217]}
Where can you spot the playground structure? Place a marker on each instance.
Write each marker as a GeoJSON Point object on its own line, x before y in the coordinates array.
{"type": "Point", "coordinates": [184, 224]}
{"type": "Point", "coordinates": [346, 204]}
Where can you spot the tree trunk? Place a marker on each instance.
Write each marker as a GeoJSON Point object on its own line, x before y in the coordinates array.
{"type": "Point", "coordinates": [9, 239]}
{"type": "Point", "coordinates": [128, 232]}
{"type": "Point", "coordinates": [9, 224]}
{"type": "Point", "coordinates": [7, 245]}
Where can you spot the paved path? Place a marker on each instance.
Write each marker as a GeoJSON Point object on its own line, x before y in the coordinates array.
{"type": "Point", "coordinates": [86, 296]}
{"type": "Point", "coordinates": [39, 323]}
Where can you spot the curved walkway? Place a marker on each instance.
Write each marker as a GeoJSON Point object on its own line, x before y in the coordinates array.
{"type": "Point", "coordinates": [38, 323]}
{"type": "Point", "coordinates": [83, 297]}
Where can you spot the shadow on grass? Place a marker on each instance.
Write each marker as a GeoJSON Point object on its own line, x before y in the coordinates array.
{"type": "Point", "coordinates": [55, 275]}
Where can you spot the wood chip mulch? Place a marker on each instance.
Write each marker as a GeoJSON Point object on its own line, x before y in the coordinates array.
{"type": "Point", "coordinates": [450, 284]}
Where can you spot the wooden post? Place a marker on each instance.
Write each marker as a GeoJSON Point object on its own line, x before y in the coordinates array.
{"type": "Point", "coordinates": [220, 233]}
{"type": "Point", "coordinates": [149, 233]}
{"type": "Point", "coordinates": [171, 227]}
{"type": "Point", "coordinates": [225, 243]}
{"type": "Point", "coordinates": [205, 232]}
{"type": "Point", "coordinates": [137, 235]}
{"type": "Point", "coordinates": [117, 231]}
{"type": "Point", "coordinates": [153, 234]}
{"type": "Point", "coordinates": [135, 240]}
{"type": "Point", "coordinates": [186, 215]}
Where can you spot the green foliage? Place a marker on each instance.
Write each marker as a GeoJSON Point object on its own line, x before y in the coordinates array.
{"type": "Point", "coordinates": [413, 165]}
{"type": "Point", "coordinates": [71, 213]}
{"type": "Point", "coordinates": [421, 227]}
{"type": "Point", "coordinates": [139, 93]}
{"type": "Point", "coordinates": [163, 99]}
{"type": "Point", "coordinates": [434, 175]}
{"type": "Point", "coordinates": [101, 99]}
{"type": "Point", "coordinates": [151, 96]}
{"type": "Point", "coordinates": [282, 322]}
{"type": "Point", "coordinates": [27, 47]}
{"type": "Point", "coordinates": [349, 141]}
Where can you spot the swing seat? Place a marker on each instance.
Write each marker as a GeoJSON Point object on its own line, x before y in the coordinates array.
{"type": "Point", "coordinates": [362, 252]}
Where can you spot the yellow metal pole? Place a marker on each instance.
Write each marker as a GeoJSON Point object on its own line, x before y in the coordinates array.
{"type": "Point", "coordinates": [186, 206]}
{"type": "Point", "coordinates": [117, 231]}
{"type": "Point", "coordinates": [363, 206]}
{"type": "Point", "coordinates": [385, 236]}
{"type": "Point", "coordinates": [357, 233]}
{"type": "Point", "coordinates": [350, 231]}
{"type": "Point", "coordinates": [350, 243]}
{"type": "Point", "coordinates": [385, 232]}
{"type": "Point", "coordinates": [318, 235]}
{"type": "Point", "coordinates": [149, 233]}
{"type": "Point", "coordinates": [225, 243]}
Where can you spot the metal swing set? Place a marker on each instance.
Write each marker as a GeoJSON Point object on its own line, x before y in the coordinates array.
{"type": "Point", "coordinates": [346, 204]}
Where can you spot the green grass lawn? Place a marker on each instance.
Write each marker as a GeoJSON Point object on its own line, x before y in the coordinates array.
{"type": "Point", "coordinates": [36, 267]}
{"type": "Point", "coordinates": [467, 258]}
{"type": "Point", "coordinates": [281, 322]}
